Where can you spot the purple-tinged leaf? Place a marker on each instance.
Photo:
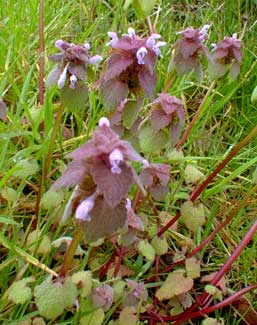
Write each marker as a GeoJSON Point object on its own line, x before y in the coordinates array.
{"type": "Point", "coordinates": [188, 48]}
{"type": "Point", "coordinates": [105, 221]}
{"type": "Point", "coordinates": [53, 77]}
{"type": "Point", "coordinates": [159, 119]}
{"type": "Point", "coordinates": [116, 65]}
{"type": "Point", "coordinates": [235, 69]}
{"type": "Point", "coordinates": [74, 174]}
{"type": "Point", "coordinates": [159, 192]}
{"type": "Point", "coordinates": [103, 297]}
{"type": "Point", "coordinates": [113, 186]}
{"type": "Point", "coordinates": [113, 92]}
{"type": "Point", "coordinates": [79, 70]}
{"type": "Point", "coordinates": [148, 82]}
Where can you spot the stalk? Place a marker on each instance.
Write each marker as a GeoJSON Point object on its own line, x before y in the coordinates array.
{"type": "Point", "coordinates": [41, 52]}
{"type": "Point", "coordinates": [68, 257]}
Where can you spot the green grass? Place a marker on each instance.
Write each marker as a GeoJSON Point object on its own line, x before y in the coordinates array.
{"type": "Point", "coordinates": [226, 118]}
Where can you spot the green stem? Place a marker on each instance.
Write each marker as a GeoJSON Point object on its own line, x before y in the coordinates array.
{"type": "Point", "coordinates": [68, 257]}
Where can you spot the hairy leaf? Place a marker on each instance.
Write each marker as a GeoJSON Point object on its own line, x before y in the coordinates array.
{"type": "Point", "coordinates": [19, 292]}
{"type": "Point", "coordinates": [175, 284]}
{"type": "Point", "coordinates": [192, 216]}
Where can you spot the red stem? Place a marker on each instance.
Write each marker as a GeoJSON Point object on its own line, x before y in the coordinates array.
{"type": "Point", "coordinates": [41, 52]}
{"type": "Point", "coordinates": [107, 265]}
{"type": "Point", "coordinates": [117, 266]}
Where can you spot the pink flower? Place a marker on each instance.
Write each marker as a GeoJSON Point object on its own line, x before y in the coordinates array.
{"type": "Point", "coordinates": [156, 178]}
{"type": "Point", "coordinates": [130, 67]}
{"type": "Point", "coordinates": [168, 112]}
{"type": "Point", "coordinates": [188, 51]}
{"type": "Point", "coordinates": [71, 64]}
{"type": "Point", "coordinates": [104, 160]}
{"type": "Point", "coordinates": [227, 52]}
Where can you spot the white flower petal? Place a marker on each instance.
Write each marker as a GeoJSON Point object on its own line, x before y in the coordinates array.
{"type": "Point", "coordinates": [104, 121]}
{"type": "Point", "coordinates": [95, 59]}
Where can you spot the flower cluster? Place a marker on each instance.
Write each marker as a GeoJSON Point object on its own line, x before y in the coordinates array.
{"type": "Point", "coordinates": [71, 64]}
{"type": "Point", "coordinates": [188, 51]}
{"type": "Point", "coordinates": [130, 67]}
{"type": "Point", "coordinates": [226, 52]}
{"type": "Point", "coordinates": [103, 175]}
{"type": "Point", "coordinates": [167, 112]}
{"type": "Point", "coordinates": [156, 178]}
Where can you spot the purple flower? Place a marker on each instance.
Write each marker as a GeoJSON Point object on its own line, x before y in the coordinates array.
{"type": "Point", "coordinates": [130, 67]}
{"type": "Point", "coordinates": [168, 112]}
{"type": "Point", "coordinates": [156, 178]}
{"type": "Point", "coordinates": [71, 64]}
{"type": "Point", "coordinates": [105, 162]}
{"type": "Point", "coordinates": [227, 52]}
{"type": "Point", "coordinates": [103, 297]}
{"type": "Point", "coordinates": [188, 51]}
{"type": "Point", "coordinates": [133, 221]}
{"type": "Point", "coordinates": [138, 293]}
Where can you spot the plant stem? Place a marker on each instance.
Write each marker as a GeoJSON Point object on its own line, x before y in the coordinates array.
{"type": "Point", "coordinates": [149, 24]}
{"type": "Point", "coordinates": [196, 115]}
{"type": "Point", "coordinates": [68, 257]}
{"type": "Point", "coordinates": [41, 52]}
{"type": "Point", "coordinates": [117, 266]}
{"type": "Point", "coordinates": [208, 180]}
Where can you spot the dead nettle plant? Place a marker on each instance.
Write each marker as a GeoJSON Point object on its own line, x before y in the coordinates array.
{"type": "Point", "coordinates": [106, 173]}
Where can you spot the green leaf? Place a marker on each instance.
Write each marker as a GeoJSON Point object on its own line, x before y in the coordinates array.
{"type": "Point", "coordinates": [211, 321]}
{"type": "Point", "coordinates": [192, 267]}
{"type": "Point", "coordinates": [175, 284]}
{"type": "Point", "coordinates": [192, 216]}
{"type": "Point", "coordinates": [146, 250]}
{"type": "Point", "coordinates": [26, 168]}
{"type": "Point", "coordinates": [192, 174]}
{"type": "Point", "coordinates": [52, 298]}
{"type": "Point", "coordinates": [96, 317]}
{"type": "Point", "coordinates": [127, 4]}
{"type": "Point", "coordinates": [19, 293]}
{"type": "Point", "coordinates": [75, 99]}
{"type": "Point", "coordinates": [9, 194]}
{"type": "Point", "coordinates": [160, 245]}
{"type": "Point", "coordinates": [84, 280]}
{"type": "Point", "coordinates": [118, 289]}
{"type": "Point", "coordinates": [151, 140]}
{"type": "Point", "coordinates": [144, 7]}
{"type": "Point", "coordinates": [51, 199]}
{"type": "Point", "coordinates": [34, 241]}
{"type": "Point", "coordinates": [130, 112]}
